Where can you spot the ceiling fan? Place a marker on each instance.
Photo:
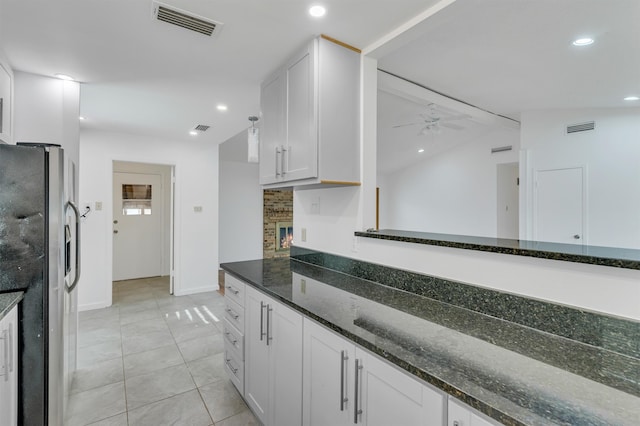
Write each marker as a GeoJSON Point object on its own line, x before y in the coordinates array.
{"type": "Point", "coordinates": [431, 121]}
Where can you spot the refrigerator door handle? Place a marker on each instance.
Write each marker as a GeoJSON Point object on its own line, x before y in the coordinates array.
{"type": "Point", "coordinates": [76, 213]}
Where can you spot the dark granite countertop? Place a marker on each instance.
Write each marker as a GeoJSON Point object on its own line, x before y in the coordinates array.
{"type": "Point", "coordinates": [596, 255]}
{"type": "Point", "coordinates": [8, 301]}
{"type": "Point", "coordinates": [516, 374]}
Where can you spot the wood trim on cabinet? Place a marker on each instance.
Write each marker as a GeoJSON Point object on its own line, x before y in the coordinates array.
{"type": "Point", "coordinates": [340, 43]}
{"type": "Point", "coordinates": [339, 182]}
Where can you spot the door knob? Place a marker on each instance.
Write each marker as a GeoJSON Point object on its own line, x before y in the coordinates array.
{"type": "Point", "coordinates": [576, 237]}
{"type": "Point", "coordinates": [115, 231]}
{"type": "Point", "coordinates": [115, 221]}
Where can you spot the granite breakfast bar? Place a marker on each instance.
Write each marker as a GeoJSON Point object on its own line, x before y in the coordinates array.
{"type": "Point", "coordinates": [515, 373]}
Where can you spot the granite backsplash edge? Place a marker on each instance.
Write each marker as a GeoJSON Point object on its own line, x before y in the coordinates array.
{"type": "Point", "coordinates": [614, 334]}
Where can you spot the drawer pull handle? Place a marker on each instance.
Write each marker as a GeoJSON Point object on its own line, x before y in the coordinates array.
{"type": "Point", "coordinates": [233, 370]}
{"type": "Point", "coordinates": [232, 313]}
{"type": "Point", "coordinates": [233, 290]}
{"type": "Point", "coordinates": [229, 338]}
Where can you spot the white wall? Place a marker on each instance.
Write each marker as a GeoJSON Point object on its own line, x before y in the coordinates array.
{"type": "Point", "coordinates": [241, 205]}
{"type": "Point", "coordinates": [165, 174]}
{"type": "Point", "coordinates": [611, 157]}
{"type": "Point", "coordinates": [46, 110]}
{"type": "Point", "coordinates": [454, 192]}
{"type": "Point", "coordinates": [196, 234]}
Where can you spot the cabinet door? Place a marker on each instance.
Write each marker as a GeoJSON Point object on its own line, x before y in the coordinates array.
{"type": "Point", "coordinates": [462, 415]}
{"type": "Point", "coordinates": [272, 129]}
{"type": "Point", "coordinates": [301, 152]}
{"type": "Point", "coordinates": [8, 367]}
{"type": "Point", "coordinates": [285, 353]}
{"type": "Point", "coordinates": [388, 396]}
{"type": "Point", "coordinates": [327, 377]}
{"type": "Point", "coordinates": [256, 387]}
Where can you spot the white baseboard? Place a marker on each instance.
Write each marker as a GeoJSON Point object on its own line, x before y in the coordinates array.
{"type": "Point", "coordinates": [188, 291]}
{"type": "Point", "coordinates": [92, 306]}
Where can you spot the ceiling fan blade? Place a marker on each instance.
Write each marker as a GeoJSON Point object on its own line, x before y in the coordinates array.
{"type": "Point", "coordinates": [404, 125]}
{"type": "Point", "coordinates": [456, 117]}
{"type": "Point", "coordinates": [452, 126]}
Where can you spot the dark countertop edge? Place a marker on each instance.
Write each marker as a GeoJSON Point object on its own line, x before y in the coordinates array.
{"type": "Point", "coordinates": [8, 301]}
{"type": "Point", "coordinates": [551, 251]}
{"type": "Point", "coordinates": [419, 373]}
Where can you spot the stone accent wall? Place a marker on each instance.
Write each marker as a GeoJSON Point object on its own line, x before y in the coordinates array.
{"type": "Point", "coordinates": [278, 207]}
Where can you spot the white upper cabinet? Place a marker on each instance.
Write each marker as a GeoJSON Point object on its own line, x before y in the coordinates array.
{"type": "Point", "coordinates": [310, 118]}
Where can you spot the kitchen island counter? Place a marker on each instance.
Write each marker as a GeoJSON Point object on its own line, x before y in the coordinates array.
{"type": "Point", "coordinates": [515, 374]}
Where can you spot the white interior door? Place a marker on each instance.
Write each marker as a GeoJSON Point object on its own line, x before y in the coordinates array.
{"type": "Point", "coordinates": [559, 206]}
{"type": "Point", "coordinates": [508, 204]}
{"type": "Point", "coordinates": [137, 225]}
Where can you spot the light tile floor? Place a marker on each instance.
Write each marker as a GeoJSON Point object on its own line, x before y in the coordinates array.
{"type": "Point", "coordinates": [154, 359]}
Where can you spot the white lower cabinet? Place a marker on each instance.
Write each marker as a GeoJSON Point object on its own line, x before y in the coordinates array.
{"type": "Point", "coordinates": [460, 414]}
{"type": "Point", "coordinates": [8, 368]}
{"type": "Point", "coordinates": [346, 385]}
{"type": "Point", "coordinates": [273, 360]}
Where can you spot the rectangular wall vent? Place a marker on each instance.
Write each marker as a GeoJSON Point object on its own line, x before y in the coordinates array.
{"type": "Point", "coordinates": [201, 128]}
{"type": "Point", "coordinates": [501, 148]}
{"type": "Point", "coordinates": [582, 127]}
{"type": "Point", "coordinates": [184, 19]}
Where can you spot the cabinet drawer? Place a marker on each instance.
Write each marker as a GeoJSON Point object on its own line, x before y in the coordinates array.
{"type": "Point", "coordinates": [234, 289]}
{"type": "Point", "coordinates": [234, 313]}
{"type": "Point", "coordinates": [233, 339]}
{"type": "Point", "coordinates": [235, 370]}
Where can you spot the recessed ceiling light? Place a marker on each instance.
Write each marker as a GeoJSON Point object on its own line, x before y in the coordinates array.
{"type": "Point", "coordinates": [421, 150]}
{"type": "Point", "coordinates": [631, 98]}
{"type": "Point", "coordinates": [193, 132]}
{"type": "Point", "coordinates": [222, 107]}
{"type": "Point", "coordinates": [317, 11]}
{"type": "Point", "coordinates": [64, 77]}
{"type": "Point", "coordinates": [583, 41]}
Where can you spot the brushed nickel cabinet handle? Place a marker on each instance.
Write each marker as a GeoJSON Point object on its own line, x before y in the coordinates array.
{"type": "Point", "coordinates": [357, 410]}
{"type": "Point", "coordinates": [262, 333]}
{"type": "Point", "coordinates": [343, 360]}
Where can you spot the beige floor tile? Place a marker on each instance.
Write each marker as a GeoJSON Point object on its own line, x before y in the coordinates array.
{"type": "Point", "coordinates": [154, 386]}
{"type": "Point", "coordinates": [186, 409]}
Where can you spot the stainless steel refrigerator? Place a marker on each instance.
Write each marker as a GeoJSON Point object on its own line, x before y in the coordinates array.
{"type": "Point", "coordinates": [39, 254]}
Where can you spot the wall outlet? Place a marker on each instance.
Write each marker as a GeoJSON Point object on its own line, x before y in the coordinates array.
{"type": "Point", "coordinates": [303, 286]}
{"type": "Point", "coordinates": [197, 209]}
{"type": "Point", "coordinates": [303, 235]}
{"type": "Point", "coordinates": [98, 206]}
{"type": "Point", "coordinates": [315, 206]}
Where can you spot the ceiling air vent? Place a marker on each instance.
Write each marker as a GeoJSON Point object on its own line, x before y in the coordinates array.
{"type": "Point", "coordinates": [582, 127]}
{"type": "Point", "coordinates": [185, 19]}
{"type": "Point", "coordinates": [201, 128]}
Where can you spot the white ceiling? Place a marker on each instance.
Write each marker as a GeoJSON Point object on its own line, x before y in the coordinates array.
{"type": "Point", "coordinates": [510, 56]}
{"type": "Point", "coordinates": [143, 76]}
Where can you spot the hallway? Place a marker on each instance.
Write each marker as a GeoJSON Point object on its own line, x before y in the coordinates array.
{"type": "Point", "coordinates": [154, 359]}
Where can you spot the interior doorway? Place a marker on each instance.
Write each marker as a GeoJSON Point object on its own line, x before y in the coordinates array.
{"type": "Point", "coordinates": [142, 225]}
{"type": "Point", "coordinates": [559, 206]}
{"type": "Point", "coordinates": [507, 200]}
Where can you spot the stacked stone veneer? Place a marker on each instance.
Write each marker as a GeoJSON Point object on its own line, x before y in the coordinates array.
{"type": "Point", "coordinates": [278, 207]}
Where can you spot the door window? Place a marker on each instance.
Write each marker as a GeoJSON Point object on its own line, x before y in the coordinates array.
{"type": "Point", "coordinates": [136, 199]}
